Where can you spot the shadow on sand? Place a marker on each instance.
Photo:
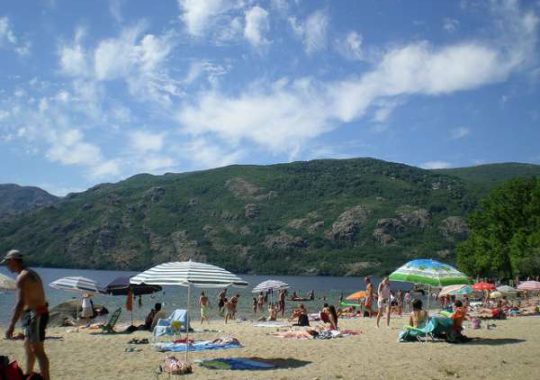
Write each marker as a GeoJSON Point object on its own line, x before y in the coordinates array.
{"type": "Point", "coordinates": [494, 341]}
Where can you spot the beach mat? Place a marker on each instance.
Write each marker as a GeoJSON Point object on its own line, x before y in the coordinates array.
{"type": "Point", "coordinates": [198, 346]}
{"type": "Point", "coordinates": [236, 364]}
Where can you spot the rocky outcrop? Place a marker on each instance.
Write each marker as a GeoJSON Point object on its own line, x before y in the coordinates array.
{"type": "Point", "coordinates": [454, 227]}
{"type": "Point", "coordinates": [311, 223]}
{"type": "Point", "coordinates": [348, 224]}
{"type": "Point", "coordinates": [419, 218]}
{"type": "Point", "coordinates": [243, 189]}
{"type": "Point", "coordinates": [382, 237]}
{"type": "Point", "coordinates": [251, 211]}
{"type": "Point", "coordinates": [154, 194]}
{"type": "Point", "coordinates": [284, 241]}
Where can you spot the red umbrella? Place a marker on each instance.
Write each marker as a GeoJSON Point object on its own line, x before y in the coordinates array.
{"type": "Point", "coordinates": [479, 286]}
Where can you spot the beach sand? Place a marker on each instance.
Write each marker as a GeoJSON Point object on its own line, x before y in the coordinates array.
{"type": "Point", "coordinates": [508, 351]}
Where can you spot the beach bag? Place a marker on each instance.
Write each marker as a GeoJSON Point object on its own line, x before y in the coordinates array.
{"type": "Point", "coordinates": [303, 320]}
{"type": "Point", "coordinates": [174, 366]}
{"type": "Point", "coordinates": [475, 323]}
{"type": "Point", "coordinates": [10, 371]}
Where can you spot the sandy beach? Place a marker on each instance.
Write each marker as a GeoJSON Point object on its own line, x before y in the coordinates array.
{"type": "Point", "coordinates": [508, 350]}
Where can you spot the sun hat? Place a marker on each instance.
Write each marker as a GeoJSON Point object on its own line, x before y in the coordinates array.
{"type": "Point", "coordinates": [12, 255]}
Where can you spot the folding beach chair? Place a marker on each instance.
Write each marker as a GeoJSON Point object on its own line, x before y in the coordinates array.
{"type": "Point", "coordinates": [167, 326]}
{"type": "Point", "coordinates": [109, 327]}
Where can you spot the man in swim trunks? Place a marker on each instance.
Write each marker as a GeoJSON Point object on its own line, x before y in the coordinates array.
{"type": "Point", "coordinates": [31, 307]}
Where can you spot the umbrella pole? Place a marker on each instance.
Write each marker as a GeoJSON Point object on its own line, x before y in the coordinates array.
{"type": "Point", "coordinates": [187, 320]}
{"type": "Point", "coordinates": [428, 301]}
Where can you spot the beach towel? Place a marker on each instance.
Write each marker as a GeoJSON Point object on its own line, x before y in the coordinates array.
{"type": "Point", "coordinates": [271, 324]}
{"type": "Point", "coordinates": [251, 364]}
{"type": "Point", "coordinates": [197, 346]}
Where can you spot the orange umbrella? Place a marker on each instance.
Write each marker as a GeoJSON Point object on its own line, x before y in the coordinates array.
{"type": "Point", "coordinates": [356, 295]}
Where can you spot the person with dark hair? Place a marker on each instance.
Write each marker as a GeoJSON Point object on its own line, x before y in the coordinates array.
{"type": "Point", "coordinates": [369, 296]}
{"type": "Point", "coordinates": [333, 317]}
{"type": "Point", "coordinates": [151, 319]}
{"type": "Point", "coordinates": [418, 317]}
{"type": "Point", "coordinates": [458, 316]}
{"type": "Point", "coordinates": [32, 307]}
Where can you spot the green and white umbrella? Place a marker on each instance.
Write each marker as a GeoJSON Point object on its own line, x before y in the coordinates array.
{"type": "Point", "coordinates": [429, 272]}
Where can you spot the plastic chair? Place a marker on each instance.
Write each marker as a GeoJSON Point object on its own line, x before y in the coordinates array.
{"type": "Point", "coordinates": [167, 327]}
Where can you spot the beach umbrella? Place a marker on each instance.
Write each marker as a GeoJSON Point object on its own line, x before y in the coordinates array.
{"type": "Point", "coordinates": [76, 284]}
{"type": "Point", "coordinates": [270, 285]}
{"type": "Point", "coordinates": [429, 272]}
{"type": "Point", "coordinates": [188, 274]}
{"type": "Point", "coordinates": [356, 295]}
{"type": "Point", "coordinates": [7, 283]}
{"type": "Point", "coordinates": [120, 286]}
{"type": "Point", "coordinates": [505, 289]}
{"type": "Point", "coordinates": [455, 290]}
{"type": "Point", "coordinates": [529, 285]}
{"type": "Point", "coordinates": [495, 294]}
{"type": "Point", "coordinates": [480, 286]}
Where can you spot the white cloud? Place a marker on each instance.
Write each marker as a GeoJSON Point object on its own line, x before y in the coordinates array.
{"type": "Point", "coordinates": [197, 15]}
{"type": "Point", "coordinates": [9, 40]}
{"type": "Point", "coordinates": [436, 165]}
{"type": "Point", "coordinates": [459, 133]}
{"type": "Point", "coordinates": [73, 58]}
{"type": "Point", "coordinates": [143, 142]}
{"type": "Point", "coordinates": [115, 8]}
{"type": "Point", "coordinates": [450, 25]}
{"type": "Point", "coordinates": [312, 32]}
{"type": "Point", "coordinates": [256, 26]}
{"type": "Point", "coordinates": [351, 46]}
{"type": "Point", "coordinates": [204, 154]}
{"type": "Point", "coordinates": [69, 148]}
{"type": "Point", "coordinates": [281, 115]}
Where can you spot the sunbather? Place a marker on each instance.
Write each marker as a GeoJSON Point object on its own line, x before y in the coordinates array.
{"type": "Point", "coordinates": [418, 317]}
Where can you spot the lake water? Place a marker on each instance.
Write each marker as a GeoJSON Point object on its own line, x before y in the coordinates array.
{"type": "Point", "coordinates": [327, 289]}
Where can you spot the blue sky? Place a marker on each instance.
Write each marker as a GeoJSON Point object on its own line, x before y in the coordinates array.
{"type": "Point", "coordinates": [97, 91]}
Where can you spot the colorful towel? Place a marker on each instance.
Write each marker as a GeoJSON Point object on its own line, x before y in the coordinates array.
{"type": "Point", "coordinates": [197, 346]}
{"type": "Point", "coordinates": [236, 364]}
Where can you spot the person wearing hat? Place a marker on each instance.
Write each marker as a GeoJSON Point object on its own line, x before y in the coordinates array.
{"type": "Point", "coordinates": [31, 307]}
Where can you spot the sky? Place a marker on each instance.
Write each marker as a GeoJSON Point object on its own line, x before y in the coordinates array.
{"type": "Point", "coordinates": [98, 91]}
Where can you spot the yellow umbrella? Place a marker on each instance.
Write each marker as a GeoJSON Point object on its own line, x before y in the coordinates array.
{"type": "Point", "coordinates": [495, 295]}
{"type": "Point", "coordinates": [356, 295]}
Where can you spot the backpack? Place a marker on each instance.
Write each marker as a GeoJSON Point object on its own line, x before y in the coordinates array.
{"type": "Point", "coordinates": [303, 320]}
{"type": "Point", "coordinates": [10, 371]}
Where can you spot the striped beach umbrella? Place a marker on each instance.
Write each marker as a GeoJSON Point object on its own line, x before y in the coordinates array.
{"type": "Point", "coordinates": [188, 274]}
{"type": "Point", "coordinates": [76, 284]}
{"type": "Point", "coordinates": [455, 290]}
{"type": "Point", "coordinates": [505, 289]}
{"type": "Point", "coordinates": [529, 285]}
{"type": "Point", "coordinates": [429, 272]}
{"type": "Point", "coordinates": [268, 285]}
{"type": "Point", "coordinates": [7, 283]}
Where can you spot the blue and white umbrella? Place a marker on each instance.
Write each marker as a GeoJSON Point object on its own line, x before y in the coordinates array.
{"type": "Point", "coordinates": [188, 274]}
{"type": "Point", "coordinates": [268, 285]}
{"type": "Point", "coordinates": [76, 284]}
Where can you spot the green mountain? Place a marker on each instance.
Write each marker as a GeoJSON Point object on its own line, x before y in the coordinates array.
{"type": "Point", "coordinates": [339, 217]}
{"type": "Point", "coordinates": [15, 199]}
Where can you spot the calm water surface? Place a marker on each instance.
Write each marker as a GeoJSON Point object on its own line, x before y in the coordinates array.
{"type": "Point", "coordinates": [327, 289]}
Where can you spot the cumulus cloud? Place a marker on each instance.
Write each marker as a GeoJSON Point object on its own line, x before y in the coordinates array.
{"type": "Point", "coordinates": [9, 40]}
{"type": "Point", "coordinates": [312, 32]}
{"type": "Point", "coordinates": [282, 115]}
{"type": "Point", "coordinates": [197, 15]}
{"type": "Point", "coordinates": [144, 142]}
{"type": "Point", "coordinates": [256, 26]}
{"type": "Point", "coordinates": [459, 133]}
{"type": "Point", "coordinates": [134, 57]}
{"type": "Point", "coordinates": [436, 165]}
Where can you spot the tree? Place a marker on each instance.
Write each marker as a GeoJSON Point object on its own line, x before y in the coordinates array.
{"type": "Point", "coordinates": [504, 234]}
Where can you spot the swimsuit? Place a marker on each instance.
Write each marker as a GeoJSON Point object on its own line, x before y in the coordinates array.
{"type": "Point", "coordinates": [34, 322]}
